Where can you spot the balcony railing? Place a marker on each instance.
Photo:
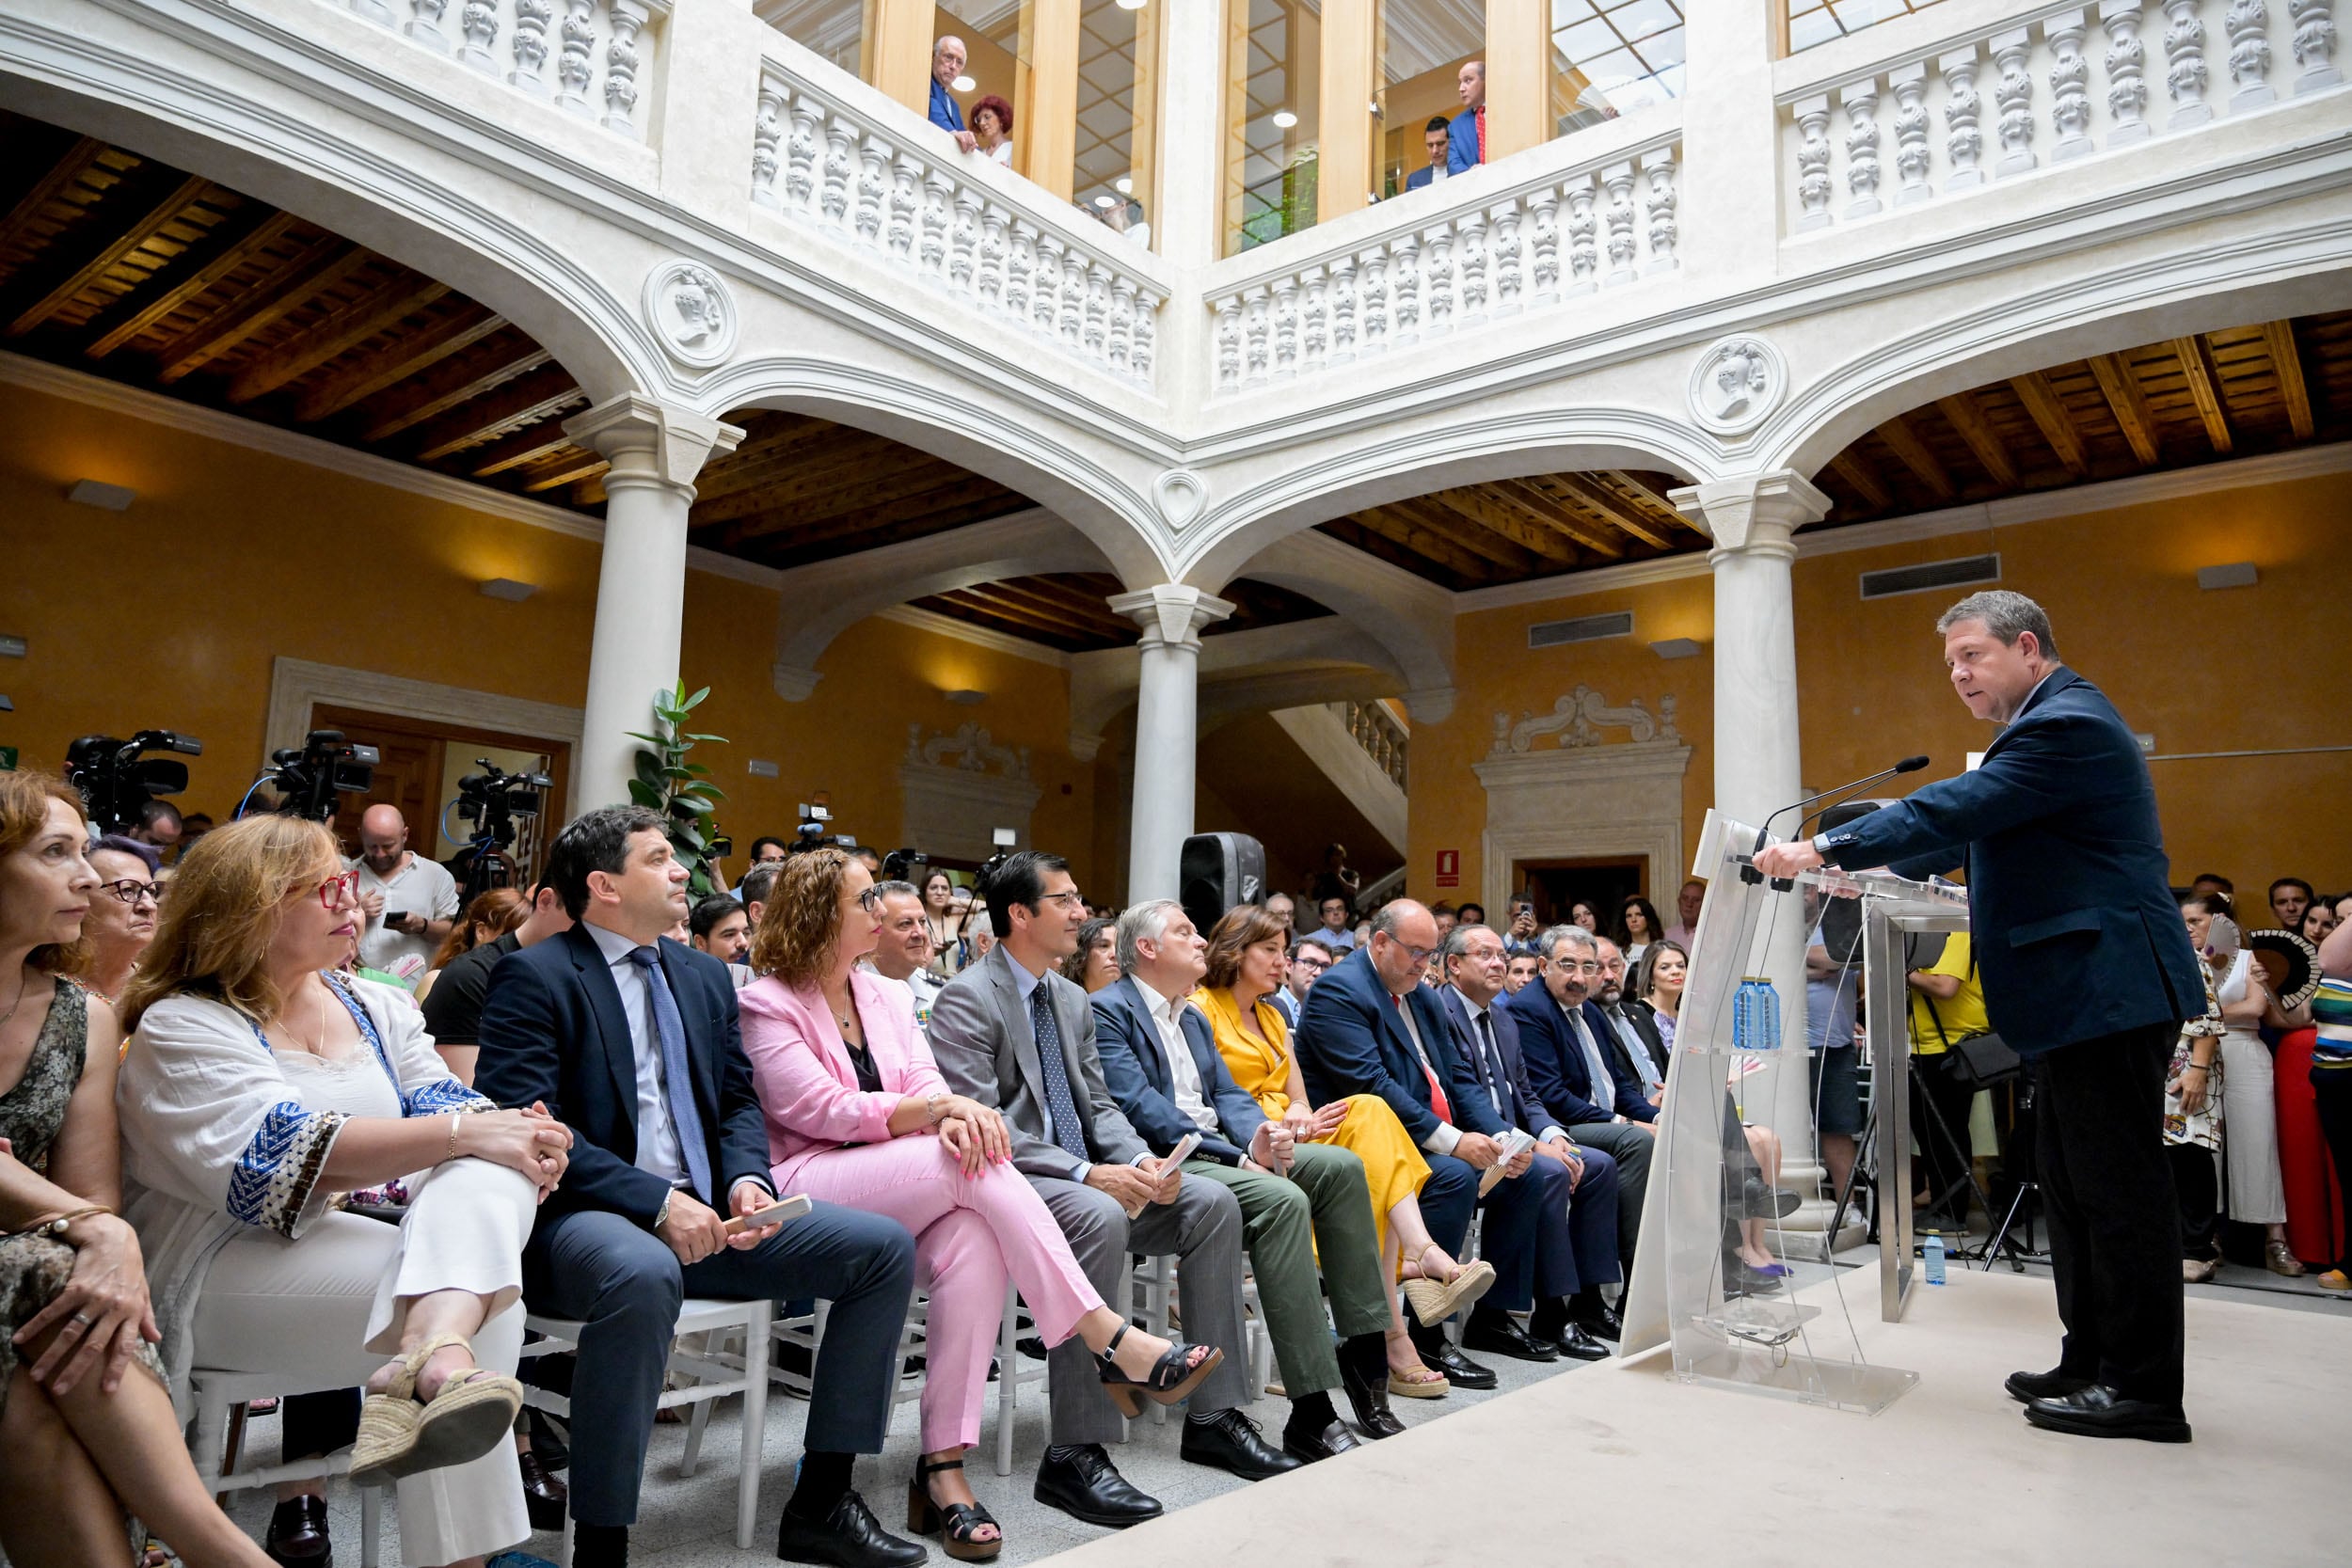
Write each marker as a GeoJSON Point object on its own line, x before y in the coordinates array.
{"type": "Point", "coordinates": [1487, 251]}
{"type": "Point", "coordinates": [2045, 86]}
{"type": "Point", "coordinates": [604, 50]}
{"type": "Point", "coordinates": [893, 187]}
{"type": "Point", "coordinates": [1377, 731]}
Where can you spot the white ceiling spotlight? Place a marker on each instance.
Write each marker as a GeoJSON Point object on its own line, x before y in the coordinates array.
{"type": "Point", "coordinates": [1284, 119]}
{"type": "Point", "coordinates": [1132, 5]}
{"type": "Point", "coordinates": [1124, 185]}
{"type": "Point", "coordinates": [964, 84]}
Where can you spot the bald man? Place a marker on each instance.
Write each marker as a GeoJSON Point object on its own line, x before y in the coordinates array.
{"type": "Point", "coordinates": [411, 902]}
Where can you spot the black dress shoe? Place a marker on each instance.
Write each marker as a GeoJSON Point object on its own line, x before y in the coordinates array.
{"type": "Point", "coordinates": [1087, 1486]}
{"type": "Point", "coordinates": [1498, 1333]}
{"type": "Point", "coordinates": [543, 1497]}
{"type": "Point", "coordinates": [1308, 1446]}
{"type": "Point", "coordinates": [1601, 1320]}
{"type": "Point", "coordinates": [2025, 1387]}
{"type": "Point", "coordinates": [2096, 1410]}
{"type": "Point", "coordinates": [297, 1534]}
{"type": "Point", "coordinates": [1232, 1443]}
{"type": "Point", "coordinates": [1577, 1345]}
{"type": "Point", "coordinates": [1369, 1398]}
{"type": "Point", "coordinates": [1459, 1370]}
{"type": "Point", "coordinates": [849, 1536]}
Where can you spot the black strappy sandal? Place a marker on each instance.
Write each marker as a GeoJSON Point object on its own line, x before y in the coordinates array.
{"type": "Point", "coordinates": [953, 1523]}
{"type": "Point", "coordinates": [1169, 1380]}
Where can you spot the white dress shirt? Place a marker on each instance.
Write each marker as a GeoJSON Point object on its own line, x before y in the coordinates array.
{"type": "Point", "coordinates": [1484, 1014]}
{"type": "Point", "coordinates": [1192, 1101]}
{"type": "Point", "coordinates": [658, 1150]}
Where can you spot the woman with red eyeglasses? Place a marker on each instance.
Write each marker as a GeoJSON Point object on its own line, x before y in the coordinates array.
{"type": "Point", "coordinates": [258, 1085]}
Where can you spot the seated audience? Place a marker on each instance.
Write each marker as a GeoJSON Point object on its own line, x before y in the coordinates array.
{"type": "Point", "coordinates": [259, 1086]}
{"type": "Point", "coordinates": [1333, 933]}
{"type": "Point", "coordinates": [858, 1115]}
{"type": "Point", "coordinates": [1302, 1204]}
{"type": "Point", "coordinates": [632, 1041]}
{"type": "Point", "coordinates": [122, 918]}
{"type": "Point", "coordinates": [86, 1418]}
{"type": "Point", "coordinates": [490, 916]}
{"type": "Point", "coordinates": [1371, 1028]}
{"type": "Point", "coordinates": [1308, 960]}
{"type": "Point", "coordinates": [411, 903]}
{"type": "Point", "coordinates": [1636, 926]}
{"type": "Point", "coordinates": [905, 948]}
{"type": "Point", "coordinates": [453, 1013]}
{"type": "Point", "coordinates": [1446, 916]}
{"type": "Point", "coordinates": [1572, 1057]}
{"type": "Point", "coordinates": [719, 927]}
{"type": "Point", "coordinates": [943, 921]}
{"type": "Point", "coordinates": [992, 129]}
{"type": "Point", "coordinates": [947, 58]}
{"type": "Point", "coordinates": [1523, 968]}
{"type": "Point", "coordinates": [1281, 906]}
{"type": "Point", "coordinates": [2256, 1187]}
{"type": "Point", "coordinates": [980, 939]}
{"type": "Point", "coordinates": [1435, 137]}
{"type": "Point", "coordinates": [1688, 902]}
{"type": "Point", "coordinates": [1613, 1000]}
{"type": "Point", "coordinates": [1553, 1231]}
{"type": "Point", "coordinates": [1011, 1033]}
{"type": "Point", "coordinates": [1466, 136]}
{"type": "Point", "coordinates": [1095, 964]}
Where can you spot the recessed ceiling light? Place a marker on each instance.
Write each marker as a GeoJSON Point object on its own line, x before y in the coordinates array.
{"type": "Point", "coordinates": [1132, 5]}
{"type": "Point", "coordinates": [964, 84]}
{"type": "Point", "coordinates": [1105, 202]}
{"type": "Point", "coordinates": [1124, 185]}
{"type": "Point", "coordinates": [1284, 119]}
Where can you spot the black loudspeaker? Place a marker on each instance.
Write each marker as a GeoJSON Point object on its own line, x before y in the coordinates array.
{"type": "Point", "coordinates": [1841, 918]}
{"type": "Point", "coordinates": [1218, 871]}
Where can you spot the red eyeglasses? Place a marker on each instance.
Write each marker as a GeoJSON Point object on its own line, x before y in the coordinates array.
{"type": "Point", "coordinates": [336, 890]}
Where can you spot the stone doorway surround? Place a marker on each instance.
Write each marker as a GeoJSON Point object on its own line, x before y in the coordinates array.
{"type": "Point", "coordinates": [1579, 797]}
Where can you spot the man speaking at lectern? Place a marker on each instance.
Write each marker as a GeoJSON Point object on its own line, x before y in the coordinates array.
{"type": "Point", "coordinates": [2087, 974]}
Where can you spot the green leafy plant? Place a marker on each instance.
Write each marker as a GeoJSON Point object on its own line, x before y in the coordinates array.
{"type": "Point", "coordinates": [681, 790]}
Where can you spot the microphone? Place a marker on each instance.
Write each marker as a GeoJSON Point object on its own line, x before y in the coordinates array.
{"type": "Point", "coordinates": [1764, 833]}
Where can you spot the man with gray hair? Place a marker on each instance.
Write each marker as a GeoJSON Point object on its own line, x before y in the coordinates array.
{"type": "Point", "coordinates": [2087, 974]}
{"type": "Point", "coordinates": [1161, 1061]}
{"type": "Point", "coordinates": [947, 58]}
{"type": "Point", "coordinates": [1575, 1063]}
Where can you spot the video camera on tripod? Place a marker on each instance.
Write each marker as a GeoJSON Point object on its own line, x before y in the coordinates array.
{"type": "Point", "coordinates": [117, 780]}
{"type": "Point", "coordinates": [491, 799]}
{"type": "Point", "coordinates": [306, 777]}
{"type": "Point", "coordinates": [811, 833]}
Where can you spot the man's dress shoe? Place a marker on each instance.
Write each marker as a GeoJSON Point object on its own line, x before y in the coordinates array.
{"type": "Point", "coordinates": [1370, 1400]}
{"type": "Point", "coordinates": [297, 1534]}
{"type": "Point", "coordinates": [1459, 1370]}
{"type": "Point", "coordinates": [848, 1537]}
{"type": "Point", "coordinates": [1308, 1446]}
{"type": "Point", "coordinates": [1232, 1443]}
{"type": "Point", "coordinates": [1579, 1345]}
{"type": "Point", "coordinates": [543, 1497]}
{"type": "Point", "coordinates": [1498, 1333]}
{"type": "Point", "coordinates": [1087, 1486]}
{"type": "Point", "coordinates": [2025, 1387]}
{"type": "Point", "coordinates": [2098, 1411]}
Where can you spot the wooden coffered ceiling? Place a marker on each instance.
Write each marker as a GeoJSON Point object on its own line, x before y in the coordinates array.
{"type": "Point", "coordinates": [1069, 611]}
{"type": "Point", "coordinates": [1481, 535]}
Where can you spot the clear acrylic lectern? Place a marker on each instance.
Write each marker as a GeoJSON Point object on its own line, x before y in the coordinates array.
{"type": "Point", "coordinates": [1741, 1025]}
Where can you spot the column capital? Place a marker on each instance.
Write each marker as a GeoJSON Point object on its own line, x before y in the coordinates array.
{"type": "Point", "coordinates": [652, 442]}
{"type": "Point", "coordinates": [1171, 614]}
{"type": "Point", "coordinates": [1754, 512]}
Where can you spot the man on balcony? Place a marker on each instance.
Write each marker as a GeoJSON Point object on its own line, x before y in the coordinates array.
{"type": "Point", "coordinates": [1465, 144]}
{"type": "Point", "coordinates": [947, 58]}
{"type": "Point", "coordinates": [1435, 137]}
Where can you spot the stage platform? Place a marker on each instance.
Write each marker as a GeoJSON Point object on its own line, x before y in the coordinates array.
{"type": "Point", "coordinates": [1621, 1463]}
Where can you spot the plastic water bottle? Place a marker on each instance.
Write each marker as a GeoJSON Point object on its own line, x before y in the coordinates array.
{"type": "Point", "coordinates": [1933, 1248]}
{"type": "Point", "coordinates": [1755, 1016]}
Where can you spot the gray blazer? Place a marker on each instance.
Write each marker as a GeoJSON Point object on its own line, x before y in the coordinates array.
{"type": "Point", "coordinates": [981, 1038]}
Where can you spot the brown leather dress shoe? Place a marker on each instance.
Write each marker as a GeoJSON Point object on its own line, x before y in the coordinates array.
{"type": "Point", "coordinates": [544, 1495]}
{"type": "Point", "coordinates": [297, 1534]}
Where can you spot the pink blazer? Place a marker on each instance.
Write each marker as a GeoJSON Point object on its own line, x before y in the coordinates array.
{"type": "Point", "coordinates": [807, 1087]}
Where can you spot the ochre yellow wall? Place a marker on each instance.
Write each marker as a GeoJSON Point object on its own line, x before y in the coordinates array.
{"type": "Point", "coordinates": [2234, 670]}
{"type": "Point", "coordinates": [168, 615]}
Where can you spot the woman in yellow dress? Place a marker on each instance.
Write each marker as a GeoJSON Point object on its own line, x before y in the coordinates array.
{"type": "Point", "coordinates": [1246, 962]}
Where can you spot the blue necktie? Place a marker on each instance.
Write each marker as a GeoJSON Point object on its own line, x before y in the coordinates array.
{"type": "Point", "coordinates": [1060, 1104]}
{"type": "Point", "coordinates": [676, 1077]}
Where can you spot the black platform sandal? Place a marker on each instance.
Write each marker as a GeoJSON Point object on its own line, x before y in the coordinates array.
{"type": "Point", "coordinates": [1169, 1380]}
{"type": "Point", "coordinates": [953, 1523]}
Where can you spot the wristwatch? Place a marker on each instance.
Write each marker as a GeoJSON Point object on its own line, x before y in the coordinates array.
{"type": "Point", "coordinates": [661, 1215]}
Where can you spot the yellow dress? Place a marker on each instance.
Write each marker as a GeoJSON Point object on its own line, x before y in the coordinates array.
{"type": "Point", "coordinates": [1393, 1169]}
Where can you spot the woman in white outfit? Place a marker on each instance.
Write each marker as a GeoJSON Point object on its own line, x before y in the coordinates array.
{"type": "Point", "coordinates": [258, 1087]}
{"type": "Point", "coordinates": [2250, 1118]}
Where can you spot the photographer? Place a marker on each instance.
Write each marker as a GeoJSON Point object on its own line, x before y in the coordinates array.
{"type": "Point", "coordinates": [411, 902]}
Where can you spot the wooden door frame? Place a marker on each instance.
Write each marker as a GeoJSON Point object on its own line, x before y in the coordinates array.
{"type": "Point", "coordinates": [559, 755]}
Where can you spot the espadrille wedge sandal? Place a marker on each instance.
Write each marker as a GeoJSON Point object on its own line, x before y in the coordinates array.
{"type": "Point", "coordinates": [399, 1435]}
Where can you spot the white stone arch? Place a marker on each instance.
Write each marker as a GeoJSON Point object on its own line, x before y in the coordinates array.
{"type": "Point", "coordinates": [2292, 271]}
{"type": "Point", "coordinates": [1470, 446]}
{"type": "Point", "coordinates": [364, 193]}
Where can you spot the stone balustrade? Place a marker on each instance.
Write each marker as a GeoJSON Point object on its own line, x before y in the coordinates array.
{"type": "Point", "coordinates": [829, 153]}
{"type": "Point", "coordinates": [1488, 252]}
{"type": "Point", "coordinates": [2028, 86]}
{"type": "Point", "coordinates": [596, 58]}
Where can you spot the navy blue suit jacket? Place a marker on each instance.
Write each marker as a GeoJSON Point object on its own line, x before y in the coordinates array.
{"type": "Point", "coordinates": [1351, 1042]}
{"type": "Point", "coordinates": [1419, 177]}
{"type": "Point", "coordinates": [1461, 142]}
{"type": "Point", "coordinates": [1135, 1065]}
{"type": "Point", "coordinates": [945, 114]}
{"type": "Point", "coordinates": [1556, 1064]}
{"type": "Point", "coordinates": [2074, 928]}
{"type": "Point", "coordinates": [1522, 1107]}
{"type": "Point", "coordinates": [553, 1030]}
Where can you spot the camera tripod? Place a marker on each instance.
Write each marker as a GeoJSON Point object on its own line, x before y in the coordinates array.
{"type": "Point", "coordinates": [2005, 1241]}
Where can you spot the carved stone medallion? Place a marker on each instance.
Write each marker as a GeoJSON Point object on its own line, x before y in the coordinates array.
{"type": "Point", "coordinates": [1735, 383]}
{"type": "Point", "coordinates": [692, 311]}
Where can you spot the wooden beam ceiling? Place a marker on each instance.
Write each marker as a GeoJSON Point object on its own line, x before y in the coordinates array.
{"type": "Point", "coordinates": [2129, 405]}
{"type": "Point", "coordinates": [2197, 371]}
{"type": "Point", "coordinates": [2041, 401]}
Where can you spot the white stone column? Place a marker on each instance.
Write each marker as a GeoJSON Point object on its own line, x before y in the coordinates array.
{"type": "Point", "coordinates": [1166, 728]}
{"type": "Point", "coordinates": [1729, 178]}
{"type": "Point", "coordinates": [1188, 228]}
{"type": "Point", "coordinates": [1757, 768]}
{"type": "Point", "coordinates": [656, 451]}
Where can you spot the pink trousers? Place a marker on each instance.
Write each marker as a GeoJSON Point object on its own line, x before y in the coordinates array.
{"type": "Point", "coordinates": [969, 1236]}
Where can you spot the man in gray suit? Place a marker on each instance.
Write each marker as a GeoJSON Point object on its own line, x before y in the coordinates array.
{"type": "Point", "coordinates": [1011, 1032]}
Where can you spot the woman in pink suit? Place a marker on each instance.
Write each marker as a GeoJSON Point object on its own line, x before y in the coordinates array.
{"type": "Point", "coordinates": [858, 1115]}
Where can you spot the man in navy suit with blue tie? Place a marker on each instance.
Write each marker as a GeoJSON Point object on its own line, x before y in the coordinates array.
{"type": "Point", "coordinates": [2087, 974]}
{"type": "Point", "coordinates": [1552, 1234]}
{"type": "Point", "coordinates": [630, 1039]}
